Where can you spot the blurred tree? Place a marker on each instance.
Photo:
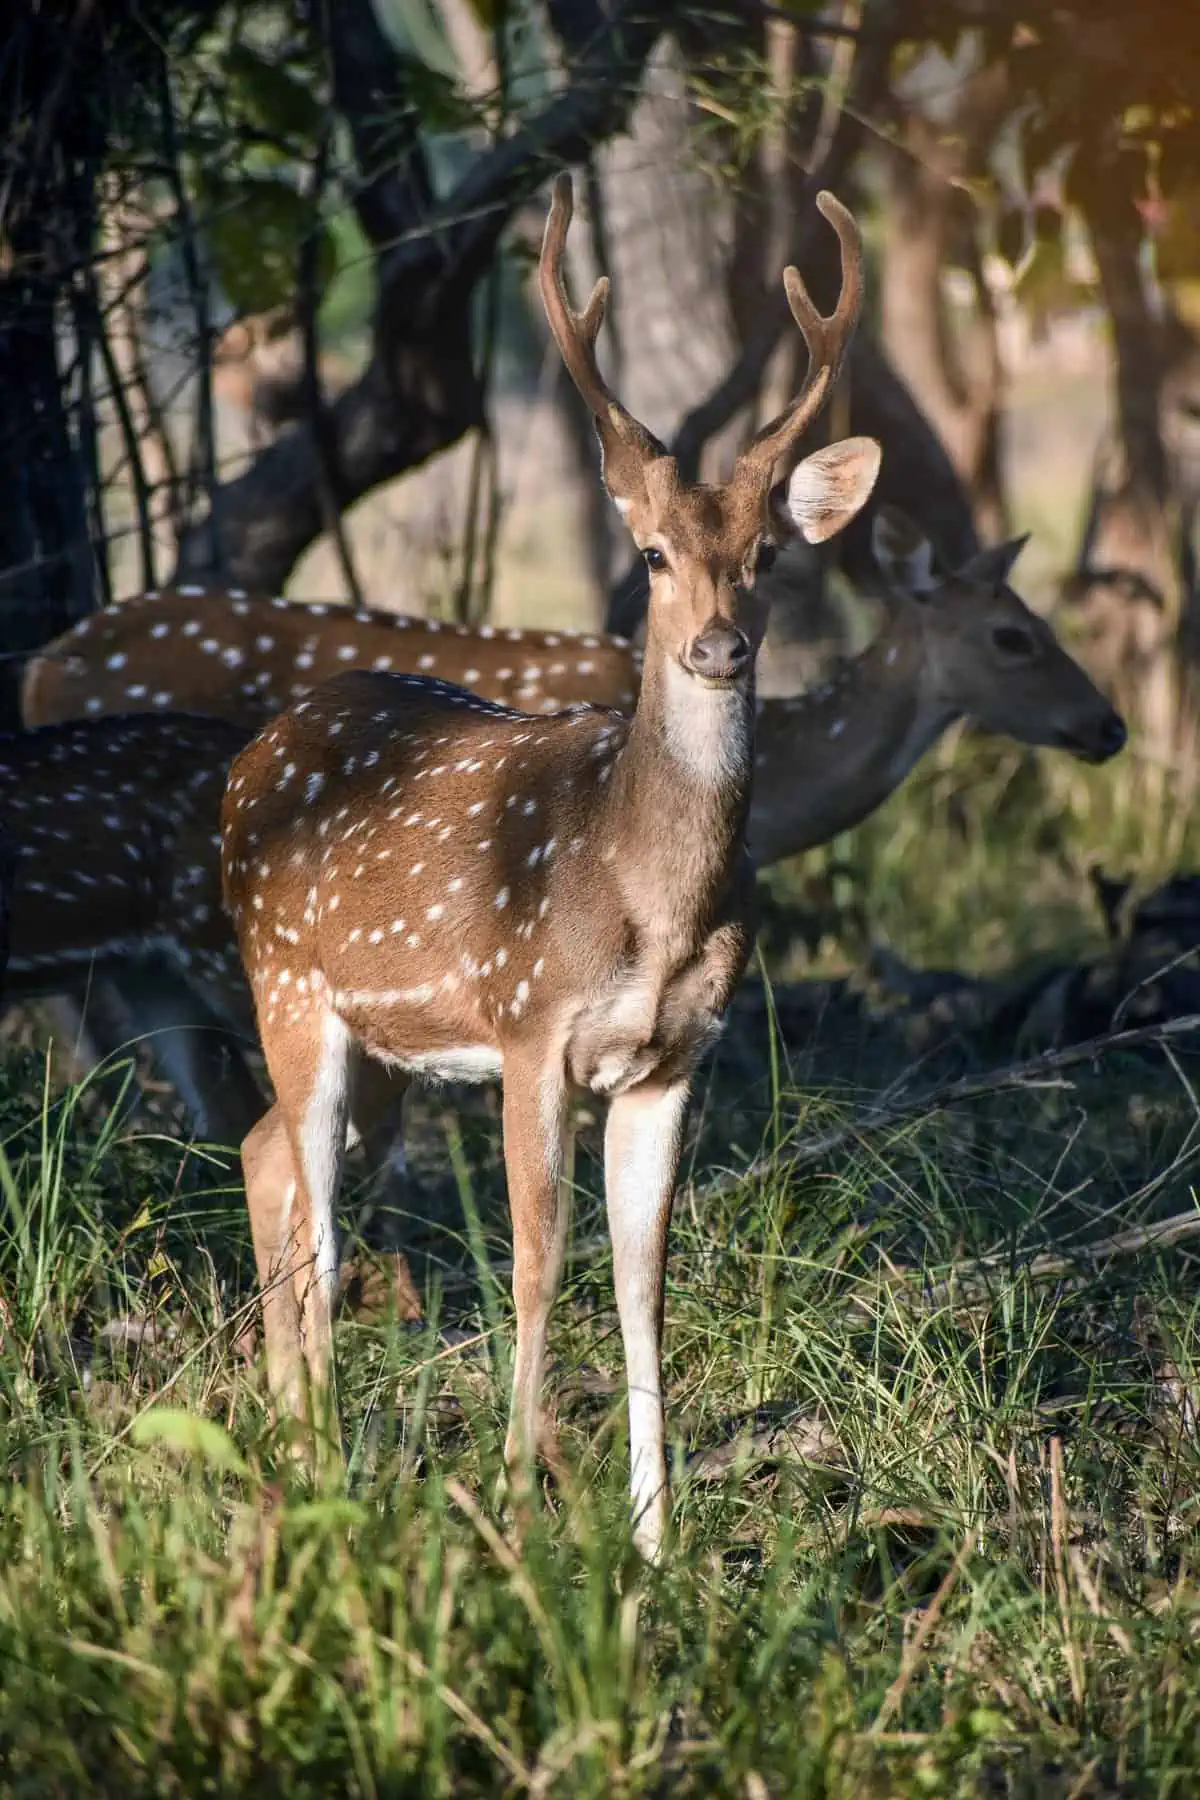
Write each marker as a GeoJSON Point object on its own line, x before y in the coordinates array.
{"type": "Point", "coordinates": [1105, 95]}
{"type": "Point", "coordinates": [72, 78]}
{"type": "Point", "coordinates": [215, 128]}
{"type": "Point", "coordinates": [365, 159]}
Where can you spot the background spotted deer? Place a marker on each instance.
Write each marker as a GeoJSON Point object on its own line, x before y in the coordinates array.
{"type": "Point", "coordinates": [233, 655]}
{"type": "Point", "coordinates": [111, 827]}
{"type": "Point", "coordinates": [115, 827]}
{"type": "Point", "coordinates": [951, 646]}
{"type": "Point", "coordinates": [578, 920]}
{"type": "Point", "coordinates": [955, 646]}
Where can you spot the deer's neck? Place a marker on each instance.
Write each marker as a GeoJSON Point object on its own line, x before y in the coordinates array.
{"type": "Point", "coordinates": [827, 759]}
{"type": "Point", "coordinates": [681, 793]}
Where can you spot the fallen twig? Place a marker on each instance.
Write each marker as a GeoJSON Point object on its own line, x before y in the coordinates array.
{"type": "Point", "coordinates": [801, 1438]}
{"type": "Point", "coordinates": [895, 1107]}
{"type": "Point", "coordinates": [1051, 1265]}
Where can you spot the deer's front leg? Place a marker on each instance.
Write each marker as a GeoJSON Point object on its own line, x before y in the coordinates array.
{"type": "Point", "coordinates": [535, 1122]}
{"type": "Point", "coordinates": [641, 1161]}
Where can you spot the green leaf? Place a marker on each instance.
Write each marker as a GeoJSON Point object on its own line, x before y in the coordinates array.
{"type": "Point", "coordinates": [174, 1429]}
{"type": "Point", "coordinates": [440, 104]}
{"type": "Point", "coordinates": [256, 230]}
{"type": "Point", "coordinates": [333, 1514]}
{"type": "Point", "coordinates": [270, 95]}
{"type": "Point", "coordinates": [415, 29]}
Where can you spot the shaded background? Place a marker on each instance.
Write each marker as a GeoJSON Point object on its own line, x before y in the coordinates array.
{"type": "Point", "coordinates": [266, 315]}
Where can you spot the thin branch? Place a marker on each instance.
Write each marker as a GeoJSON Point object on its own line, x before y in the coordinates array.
{"type": "Point", "coordinates": [89, 432]}
{"type": "Point", "coordinates": [90, 306]}
{"type": "Point", "coordinates": [897, 1108]}
{"type": "Point", "coordinates": [198, 284]}
{"type": "Point", "coordinates": [329, 482]}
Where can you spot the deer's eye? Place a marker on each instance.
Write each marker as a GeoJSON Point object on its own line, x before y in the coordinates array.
{"type": "Point", "coordinates": [765, 559]}
{"type": "Point", "coordinates": [1013, 641]}
{"type": "Point", "coordinates": [654, 559]}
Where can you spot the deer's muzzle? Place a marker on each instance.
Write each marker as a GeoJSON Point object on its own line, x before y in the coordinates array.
{"type": "Point", "coordinates": [718, 653]}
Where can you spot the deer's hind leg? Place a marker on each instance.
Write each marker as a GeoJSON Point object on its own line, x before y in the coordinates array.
{"type": "Point", "coordinates": [270, 1176]}
{"type": "Point", "coordinates": [293, 1161]}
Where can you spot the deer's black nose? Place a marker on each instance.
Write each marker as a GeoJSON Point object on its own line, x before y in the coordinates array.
{"type": "Point", "coordinates": [1098, 739]}
{"type": "Point", "coordinates": [1112, 735]}
{"type": "Point", "coordinates": [719, 653]}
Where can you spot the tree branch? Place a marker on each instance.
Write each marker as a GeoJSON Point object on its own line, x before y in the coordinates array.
{"type": "Point", "coordinates": [898, 1104]}
{"type": "Point", "coordinates": [419, 393]}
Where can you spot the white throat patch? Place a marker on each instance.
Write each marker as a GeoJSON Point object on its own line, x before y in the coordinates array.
{"type": "Point", "coordinates": [708, 730]}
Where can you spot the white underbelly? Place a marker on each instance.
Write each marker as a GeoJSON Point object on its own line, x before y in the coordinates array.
{"type": "Point", "coordinates": [464, 1062]}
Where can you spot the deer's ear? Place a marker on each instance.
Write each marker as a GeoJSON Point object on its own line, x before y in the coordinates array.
{"type": "Point", "coordinates": [903, 552]}
{"type": "Point", "coordinates": [634, 469]}
{"type": "Point", "coordinates": [830, 487]}
{"type": "Point", "coordinates": [993, 566]}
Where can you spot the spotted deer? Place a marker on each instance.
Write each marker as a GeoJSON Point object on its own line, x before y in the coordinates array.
{"type": "Point", "coordinates": [115, 826]}
{"type": "Point", "coordinates": [110, 867]}
{"type": "Point", "coordinates": [954, 645]}
{"type": "Point", "coordinates": [962, 644]}
{"type": "Point", "coordinates": [578, 915]}
{"type": "Point", "coordinates": [234, 655]}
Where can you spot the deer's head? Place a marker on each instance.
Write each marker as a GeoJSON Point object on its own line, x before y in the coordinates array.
{"type": "Point", "coordinates": [987, 654]}
{"type": "Point", "coordinates": [704, 546]}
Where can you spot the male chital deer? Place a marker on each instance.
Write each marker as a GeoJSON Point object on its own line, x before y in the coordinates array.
{"type": "Point", "coordinates": [126, 806]}
{"type": "Point", "coordinates": [952, 646]}
{"type": "Point", "coordinates": [577, 918]}
{"type": "Point", "coordinates": [230, 654]}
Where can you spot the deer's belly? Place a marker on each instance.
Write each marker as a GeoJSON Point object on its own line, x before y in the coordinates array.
{"type": "Point", "coordinates": [458, 1062]}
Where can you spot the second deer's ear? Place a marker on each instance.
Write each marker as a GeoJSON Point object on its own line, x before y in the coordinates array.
{"type": "Point", "coordinates": [829, 488]}
{"type": "Point", "coordinates": [993, 566]}
{"type": "Point", "coordinates": [903, 552]}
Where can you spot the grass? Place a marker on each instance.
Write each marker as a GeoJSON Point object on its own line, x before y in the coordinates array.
{"type": "Point", "coordinates": [965, 1565]}
{"type": "Point", "coordinates": [936, 1524]}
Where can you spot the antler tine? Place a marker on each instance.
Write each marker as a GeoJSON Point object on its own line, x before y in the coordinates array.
{"type": "Point", "coordinates": [575, 333]}
{"type": "Point", "coordinates": [827, 337]}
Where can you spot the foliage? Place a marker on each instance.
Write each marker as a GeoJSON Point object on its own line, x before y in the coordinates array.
{"type": "Point", "coordinates": [181, 1613]}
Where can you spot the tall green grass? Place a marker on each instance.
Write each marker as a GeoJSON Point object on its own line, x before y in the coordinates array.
{"type": "Point", "coordinates": [936, 1522]}
{"type": "Point", "coordinates": [935, 1528]}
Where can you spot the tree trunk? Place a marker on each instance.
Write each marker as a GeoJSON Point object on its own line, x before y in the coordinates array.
{"type": "Point", "coordinates": [54, 126]}
{"type": "Point", "coordinates": [419, 393]}
{"type": "Point", "coordinates": [928, 225]}
{"type": "Point", "coordinates": [1133, 584]}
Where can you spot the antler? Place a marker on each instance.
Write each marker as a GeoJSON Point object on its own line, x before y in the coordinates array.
{"type": "Point", "coordinates": [827, 337]}
{"type": "Point", "coordinates": [575, 334]}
